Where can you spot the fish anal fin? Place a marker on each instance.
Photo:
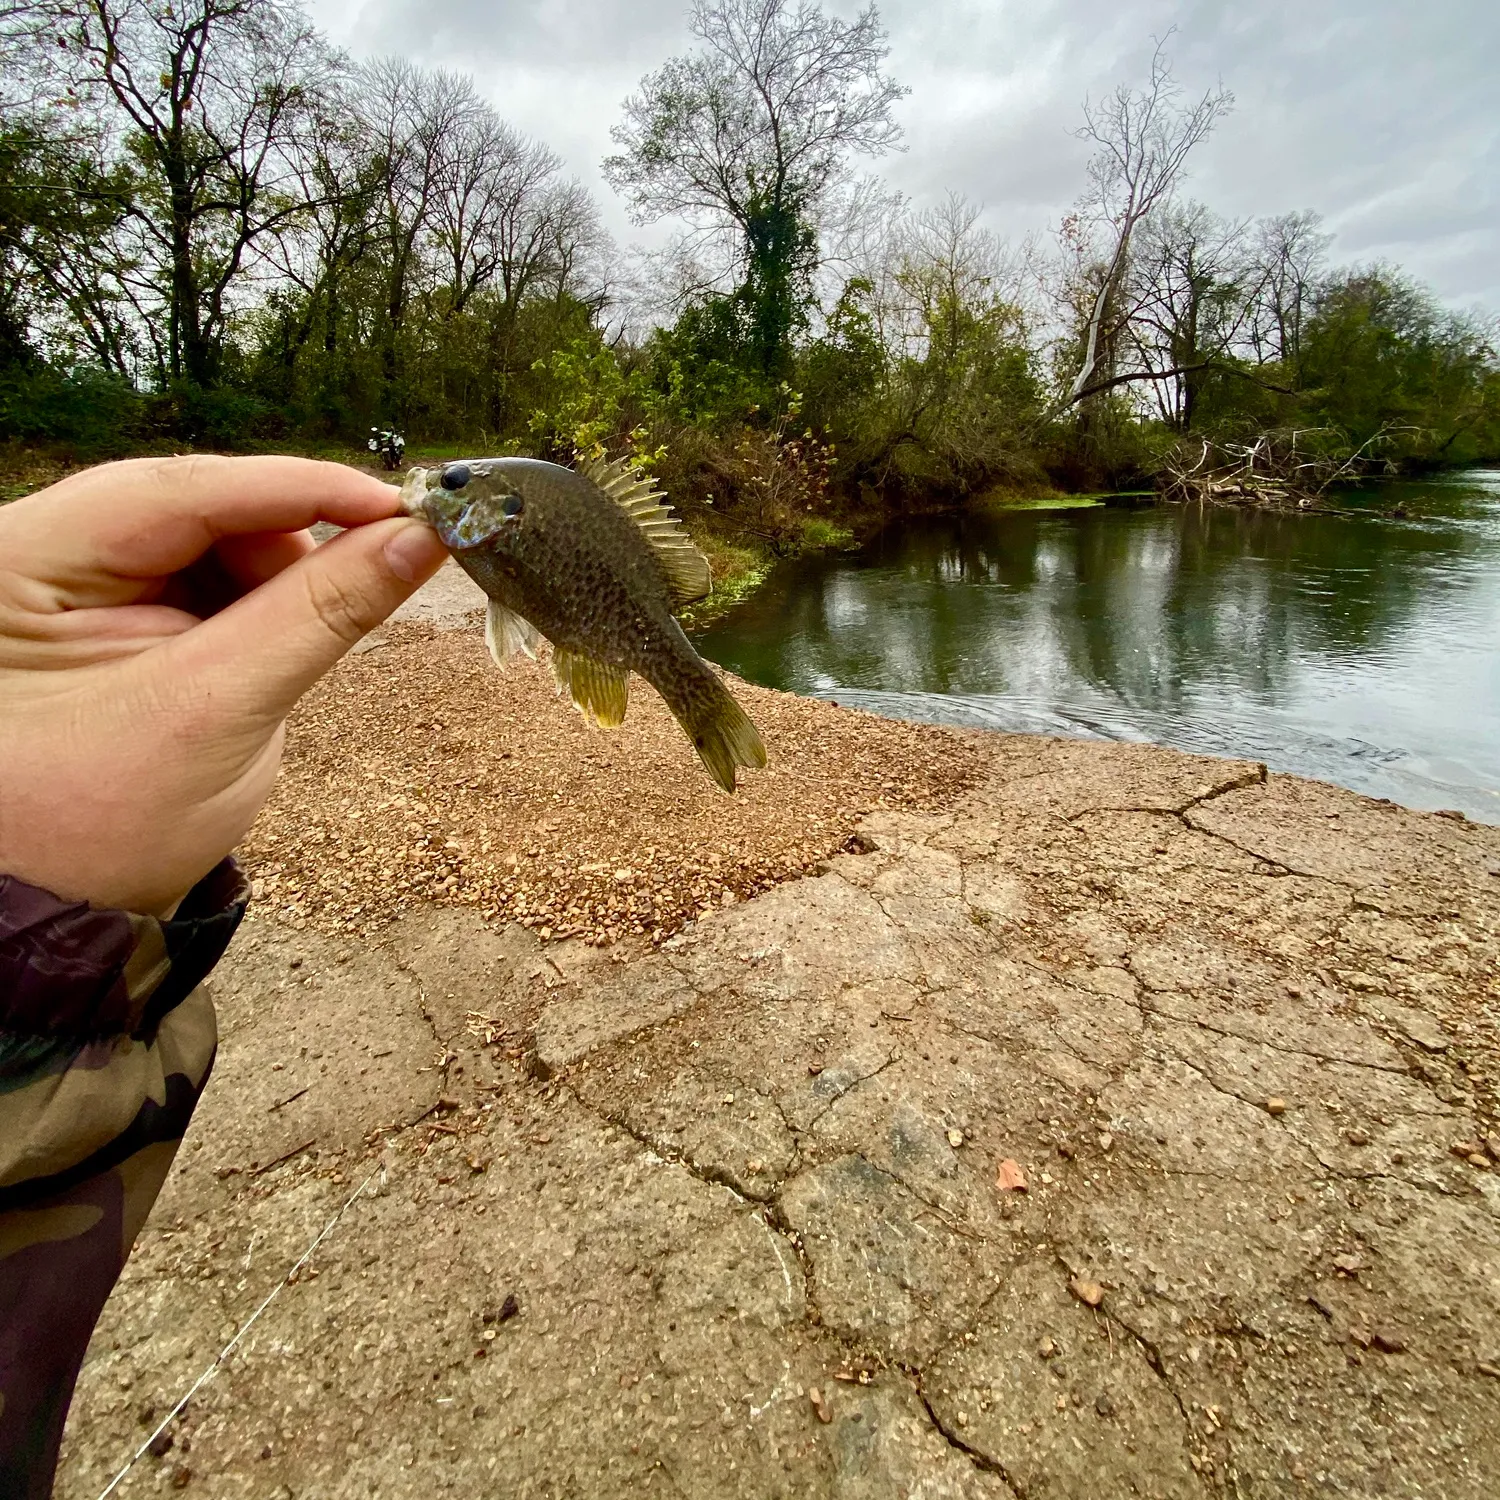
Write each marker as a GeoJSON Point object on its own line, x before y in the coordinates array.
{"type": "Point", "coordinates": [507, 634]}
{"type": "Point", "coordinates": [688, 574]}
{"type": "Point", "coordinates": [599, 690]}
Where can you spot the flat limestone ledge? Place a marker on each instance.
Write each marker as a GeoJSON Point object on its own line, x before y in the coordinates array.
{"type": "Point", "coordinates": [729, 1219]}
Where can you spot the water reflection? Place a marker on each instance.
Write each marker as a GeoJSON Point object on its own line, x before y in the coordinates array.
{"type": "Point", "coordinates": [1351, 648]}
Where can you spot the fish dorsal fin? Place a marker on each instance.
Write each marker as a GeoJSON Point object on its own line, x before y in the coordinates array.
{"type": "Point", "coordinates": [686, 567]}
{"type": "Point", "coordinates": [507, 634]}
{"type": "Point", "coordinates": [598, 689]}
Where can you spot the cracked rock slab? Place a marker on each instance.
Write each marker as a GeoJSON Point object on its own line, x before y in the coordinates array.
{"type": "Point", "coordinates": [1061, 1403]}
{"type": "Point", "coordinates": [886, 1266]}
{"type": "Point", "coordinates": [1235, 1039]}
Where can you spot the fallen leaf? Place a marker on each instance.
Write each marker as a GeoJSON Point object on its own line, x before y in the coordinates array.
{"type": "Point", "coordinates": [819, 1405]}
{"type": "Point", "coordinates": [1009, 1177]}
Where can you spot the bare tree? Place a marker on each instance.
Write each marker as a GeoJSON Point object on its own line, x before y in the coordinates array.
{"type": "Point", "coordinates": [411, 115]}
{"type": "Point", "coordinates": [488, 220]}
{"type": "Point", "coordinates": [746, 137]}
{"type": "Point", "coordinates": [212, 94]}
{"type": "Point", "coordinates": [1190, 292]}
{"type": "Point", "coordinates": [577, 247]}
{"type": "Point", "coordinates": [1144, 137]}
{"type": "Point", "coordinates": [321, 251]}
{"type": "Point", "coordinates": [1290, 251]}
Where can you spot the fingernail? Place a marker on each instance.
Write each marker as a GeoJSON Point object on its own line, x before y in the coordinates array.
{"type": "Point", "coordinates": [414, 551]}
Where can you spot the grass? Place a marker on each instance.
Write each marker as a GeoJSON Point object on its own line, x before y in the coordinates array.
{"type": "Point", "coordinates": [825, 536]}
{"type": "Point", "coordinates": [737, 571]}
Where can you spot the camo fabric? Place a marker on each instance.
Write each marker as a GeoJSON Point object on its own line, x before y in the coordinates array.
{"type": "Point", "coordinates": [106, 1041]}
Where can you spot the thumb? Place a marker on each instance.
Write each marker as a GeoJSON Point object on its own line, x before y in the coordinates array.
{"type": "Point", "coordinates": [270, 646]}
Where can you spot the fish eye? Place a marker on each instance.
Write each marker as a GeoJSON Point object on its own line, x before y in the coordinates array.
{"type": "Point", "coordinates": [512, 505]}
{"type": "Point", "coordinates": [455, 477]}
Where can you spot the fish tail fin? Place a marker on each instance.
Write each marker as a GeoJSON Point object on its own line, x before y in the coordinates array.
{"type": "Point", "coordinates": [720, 730]}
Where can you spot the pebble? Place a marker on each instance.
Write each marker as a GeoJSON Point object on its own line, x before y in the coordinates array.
{"type": "Point", "coordinates": [1350, 1265]}
{"type": "Point", "coordinates": [1486, 1368]}
{"type": "Point", "coordinates": [1103, 1405]}
{"type": "Point", "coordinates": [820, 1404]}
{"type": "Point", "coordinates": [1492, 1145]}
{"type": "Point", "coordinates": [1106, 1140]}
{"type": "Point", "coordinates": [1275, 1106]}
{"type": "Point", "coordinates": [1046, 1348]}
{"type": "Point", "coordinates": [1387, 1342]}
{"type": "Point", "coordinates": [1357, 1137]}
{"type": "Point", "coordinates": [955, 1138]}
{"type": "Point", "coordinates": [1477, 1159]}
{"type": "Point", "coordinates": [1090, 1293]}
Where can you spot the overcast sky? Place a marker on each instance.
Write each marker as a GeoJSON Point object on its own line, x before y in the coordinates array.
{"type": "Point", "coordinates": [1383, 115]}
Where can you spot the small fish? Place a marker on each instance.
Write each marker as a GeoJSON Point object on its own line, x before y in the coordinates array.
{"type": "Point", "coordinates": [593, 560]}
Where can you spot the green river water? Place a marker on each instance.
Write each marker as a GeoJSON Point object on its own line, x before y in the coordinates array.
{"type": "Point", "coordinates": [1355, 649]}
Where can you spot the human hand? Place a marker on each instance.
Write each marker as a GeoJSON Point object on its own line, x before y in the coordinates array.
{"type": "Point", "coordinates": [158, 620]}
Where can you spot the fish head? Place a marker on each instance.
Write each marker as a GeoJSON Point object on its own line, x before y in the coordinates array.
{"type": "Point", "coordinates": [471, 502]}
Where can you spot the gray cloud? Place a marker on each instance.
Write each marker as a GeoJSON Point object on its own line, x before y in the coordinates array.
{"type": "Point", "coordinates": [1380, 114]}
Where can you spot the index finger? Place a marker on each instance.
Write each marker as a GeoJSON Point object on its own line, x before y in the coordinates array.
{"type": "Point", "coordinates": [149, 517]}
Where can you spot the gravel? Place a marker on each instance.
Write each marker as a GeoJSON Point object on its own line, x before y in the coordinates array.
{"type": "Point", "coordinates": [420, 772]}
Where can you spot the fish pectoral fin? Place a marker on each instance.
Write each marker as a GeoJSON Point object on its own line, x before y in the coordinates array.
{"type": "Point", "coordinates": [688, 574]}
{"type": "Point", "coordinates": [507, 634]}
{"type": "Point", "coordinates": [598, 689]}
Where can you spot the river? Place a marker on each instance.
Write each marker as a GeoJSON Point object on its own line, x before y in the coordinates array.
{"type": "Point", "coordinates": [1351, 648]}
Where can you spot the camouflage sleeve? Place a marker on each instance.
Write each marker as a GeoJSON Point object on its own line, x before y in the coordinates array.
{"type": "Point", "coordinates": [106, 1041]}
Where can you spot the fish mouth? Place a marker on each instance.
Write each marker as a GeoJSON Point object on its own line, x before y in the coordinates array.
{"type": "Point", "coordinates": [414, 494]}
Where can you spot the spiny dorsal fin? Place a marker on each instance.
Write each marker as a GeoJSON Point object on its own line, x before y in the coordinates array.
{"type": "Point", "coordinates": [598, 689]}
{"type": "Point", "coordinates": [686, 567]}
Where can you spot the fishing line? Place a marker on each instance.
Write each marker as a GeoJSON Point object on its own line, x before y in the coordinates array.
{"type": "Point", "coordinates": [245, 1327]}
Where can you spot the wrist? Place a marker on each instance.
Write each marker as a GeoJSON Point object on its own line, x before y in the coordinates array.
{"type": "Point", "coordinates": [69, 970]}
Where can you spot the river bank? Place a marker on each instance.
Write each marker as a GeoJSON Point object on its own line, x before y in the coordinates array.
{"type": "Point", "coordinates": [1086, 1119]}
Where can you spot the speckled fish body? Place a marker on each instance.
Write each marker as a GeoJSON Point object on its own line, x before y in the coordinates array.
{"type": "Point", "coordinates": [594, 561]}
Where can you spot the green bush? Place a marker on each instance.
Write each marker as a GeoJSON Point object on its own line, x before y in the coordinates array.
{"type": "Point", "coordinates": [84, 407]}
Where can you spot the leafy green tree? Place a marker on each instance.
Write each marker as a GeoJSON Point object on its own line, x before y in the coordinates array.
{"type": "Point", "coordinates": [1383, 361]}
{"type": "Point", "coordinates": [62, 205]}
